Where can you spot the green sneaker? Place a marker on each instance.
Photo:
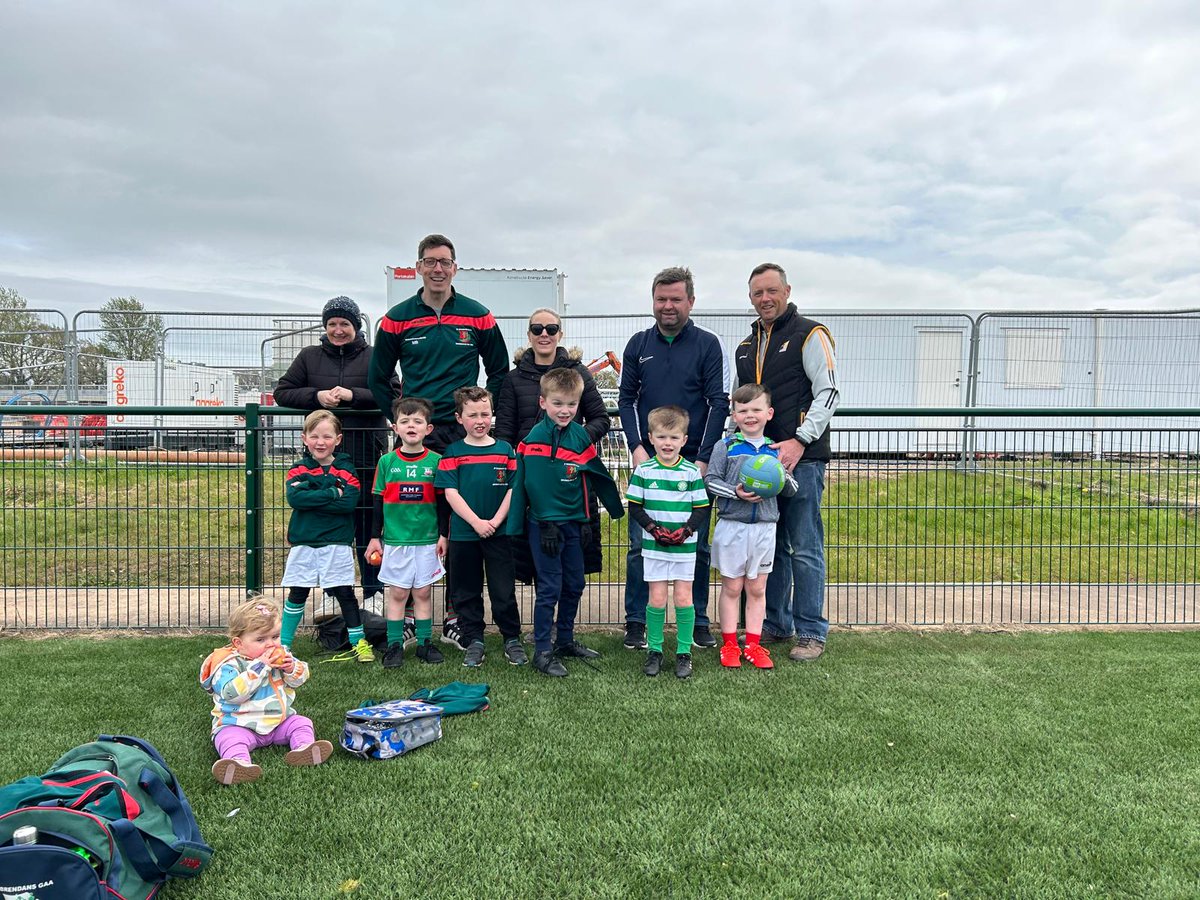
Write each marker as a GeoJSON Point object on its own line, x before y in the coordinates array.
{"type": "Point", "coordinates": [360, 652]}
{"type": "Point", "coordinates": [363, 652]}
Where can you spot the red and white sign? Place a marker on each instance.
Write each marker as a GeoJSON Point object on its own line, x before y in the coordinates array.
{"type": "Point", "coordinates": [404, 274]}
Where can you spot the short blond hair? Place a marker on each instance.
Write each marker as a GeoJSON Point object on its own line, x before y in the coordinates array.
{"type": "Point", "coordinates": [316, 417]}
{"type": "Point", "coordinates": [667, 418]}
{"type": "Point", "coordinates": [564, 381]}
{"type": "Point", "coordinates": [253, 614]}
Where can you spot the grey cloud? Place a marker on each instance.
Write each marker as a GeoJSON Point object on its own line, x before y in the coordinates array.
{"type": "Point", "coordinates": [922, 154]}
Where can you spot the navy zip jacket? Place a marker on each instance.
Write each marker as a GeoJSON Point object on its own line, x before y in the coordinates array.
{"type": "Point", "coordinates": [691, 371]}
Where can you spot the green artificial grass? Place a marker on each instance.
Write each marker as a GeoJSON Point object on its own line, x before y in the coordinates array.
{"type": "Point", "coordinates": [898, 765]}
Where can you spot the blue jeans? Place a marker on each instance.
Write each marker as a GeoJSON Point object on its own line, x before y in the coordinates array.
{"type": "Point", "coordinates": [796, 585]}
{"type": "Point", "coordinates": [559, 584]}
{"type": "Point", "coordinates": [637, 592]}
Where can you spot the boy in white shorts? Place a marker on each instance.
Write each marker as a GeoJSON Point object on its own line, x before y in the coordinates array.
{"type": "Point", "coordinates": [321, 489]}
{"type": "Point", "coordinates": [666, 497]}
{"type": "Point", "coordinates": [412, 529]}
{"type": "Point", "coordinates": [743, 545]}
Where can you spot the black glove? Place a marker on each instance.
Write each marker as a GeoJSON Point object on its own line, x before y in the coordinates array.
{"type": "Point", "coordinates": [585, 534]}
{"type": "Point", "coordinates": [551, 539]}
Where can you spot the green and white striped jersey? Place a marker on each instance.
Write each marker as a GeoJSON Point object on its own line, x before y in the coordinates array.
{"type": "Point", "coordinates": [669, 494]}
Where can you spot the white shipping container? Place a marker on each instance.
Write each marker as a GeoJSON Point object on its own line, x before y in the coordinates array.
{"type": "Point", "coordinates": [166, 383]}
{"type": "Point", "coordinates": [505, 292]}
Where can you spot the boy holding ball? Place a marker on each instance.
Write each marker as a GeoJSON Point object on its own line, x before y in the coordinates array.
{"type": "Point", "coordinates": [743, 546]}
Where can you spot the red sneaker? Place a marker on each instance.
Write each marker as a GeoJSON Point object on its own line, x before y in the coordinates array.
{"type": "Point", "coordinates": [759, 655]}
{"type": "Point", "coordinates": [731, 656]}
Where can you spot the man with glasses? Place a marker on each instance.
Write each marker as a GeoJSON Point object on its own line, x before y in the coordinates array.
{"type": "Point", "coordinates": [673, 363]}
{"type": "Point", "coordinates": [439, 337]}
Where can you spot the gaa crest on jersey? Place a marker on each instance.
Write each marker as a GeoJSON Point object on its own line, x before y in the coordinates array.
{"type": "Point", "coordinates": [571, 471]}
{"type": "Point", "coordinates": [464, 337]}
{"type": "Point", "coordinates": [501, 475]}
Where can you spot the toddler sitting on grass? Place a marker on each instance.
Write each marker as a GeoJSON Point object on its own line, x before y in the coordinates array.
{"type": "Point", "coordinates": [253, 681]}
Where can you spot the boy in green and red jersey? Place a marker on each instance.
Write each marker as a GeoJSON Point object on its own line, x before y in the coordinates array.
{"type": "Point", "coordinates": [412, 531]}
{"type": "Point", "coordinates": [475, 476]}
{"type": "Point", "coordinates": [557, 468]}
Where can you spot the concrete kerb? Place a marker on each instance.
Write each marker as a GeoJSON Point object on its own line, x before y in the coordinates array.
{"type": "Point", "coordinates": [857, 607]}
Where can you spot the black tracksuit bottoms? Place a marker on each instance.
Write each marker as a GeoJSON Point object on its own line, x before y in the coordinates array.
{"type": "Point", "coordinates": [467, 561]}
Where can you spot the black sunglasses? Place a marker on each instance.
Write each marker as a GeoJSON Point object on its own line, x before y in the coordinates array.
{"type": "Point", "coordinates": [537, 328]}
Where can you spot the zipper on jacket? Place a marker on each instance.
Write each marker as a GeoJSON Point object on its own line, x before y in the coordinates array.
{"type": "Point", "coordinates": [760, 353]}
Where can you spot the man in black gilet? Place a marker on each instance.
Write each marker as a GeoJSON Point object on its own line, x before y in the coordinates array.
{"type": "Point", "coordinates": [793, 357]}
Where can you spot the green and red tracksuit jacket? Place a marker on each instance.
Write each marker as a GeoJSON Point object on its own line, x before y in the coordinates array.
{"type": "Point", "coordinates": [323, 499]}
{"type": "Point", "coordinates": [438, 352]}
{"type": "Point", "coordinates": [557, 471]}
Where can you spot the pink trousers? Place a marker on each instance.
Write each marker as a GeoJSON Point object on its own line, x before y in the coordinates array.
{"type": "Point", "coordinates": [236, 742]}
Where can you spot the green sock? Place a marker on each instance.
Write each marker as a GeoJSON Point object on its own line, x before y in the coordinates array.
{"type": "Point", "coordinates": [685, 621]}
{"type": "Point", "coordinates": [424, 630]}
{"type": "Point", "coordinates": [292, 614]}
{"type": "Point", "coordinates": [655, 618]}
{"type": "Point", "coordinates": [356, 634]}
{"type": "Point", "coordinates": [395, 631]}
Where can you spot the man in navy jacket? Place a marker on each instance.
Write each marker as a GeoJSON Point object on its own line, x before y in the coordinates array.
{"type": "Point", "coordinates": [675, 362]}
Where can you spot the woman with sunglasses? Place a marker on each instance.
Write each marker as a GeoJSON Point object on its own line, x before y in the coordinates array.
{"type": "Point", "coordinates": [517, 409]}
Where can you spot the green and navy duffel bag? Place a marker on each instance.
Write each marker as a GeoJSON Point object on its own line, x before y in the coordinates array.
{"type": "Point", "coordinates": [108, 820]}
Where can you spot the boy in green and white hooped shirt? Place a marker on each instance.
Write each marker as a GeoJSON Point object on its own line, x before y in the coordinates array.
{"type": "Point", "coordinates": [666, 497]}
{"type": "Point", "coordinates": [412, 527]}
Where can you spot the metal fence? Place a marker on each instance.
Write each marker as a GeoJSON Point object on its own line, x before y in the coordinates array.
{"type": "Point", "coordinates": [1013, 525]}
{"type": "Point", "coordinates": [886, 359]}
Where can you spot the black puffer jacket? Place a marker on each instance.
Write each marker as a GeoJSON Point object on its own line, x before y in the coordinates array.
{"type": "Point", "coordinates": [517, 411]}
{"type": "Point", "coordinates": [517, 408]}
{"type": "Point", "coordinates": [324, 366]}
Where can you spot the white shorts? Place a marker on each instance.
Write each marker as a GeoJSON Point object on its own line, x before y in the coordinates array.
{"type": "Point", "coordinates": [681, 569]}
{"type": "Point", "coordinates": [410, 567]}
{"type": "Point", "coordinates": [324, 567]}
{"type": "Point", "coordinates": [743, 549]}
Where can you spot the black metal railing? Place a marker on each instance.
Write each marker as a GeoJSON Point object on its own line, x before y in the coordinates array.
{"type": "Point", "coordinates": [939, 517]}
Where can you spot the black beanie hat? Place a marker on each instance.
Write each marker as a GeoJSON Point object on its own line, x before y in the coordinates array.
{"type": "Point", "coordinates": [342, 308]}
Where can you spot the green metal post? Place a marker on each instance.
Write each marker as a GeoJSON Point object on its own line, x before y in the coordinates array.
{"type": "Point", "coordinates": [254, 501]}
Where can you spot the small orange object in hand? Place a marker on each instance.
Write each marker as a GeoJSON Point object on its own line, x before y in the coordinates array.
{"type": "Point", "coordinates": [375, 558]}
{"type": "Point", "coordinates": [279, 658]}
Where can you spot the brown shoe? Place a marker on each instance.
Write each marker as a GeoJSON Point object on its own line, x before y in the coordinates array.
{"type": "Point", "coordinates": [806, 650]}
{"type": "Point", "coordinates": [310, 755]}
{"type": "Point", "coordinates": [235, 771]}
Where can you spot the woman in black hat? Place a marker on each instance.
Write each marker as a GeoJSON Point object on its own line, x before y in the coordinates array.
{"type": "Point", "coordinates": [333, 375]}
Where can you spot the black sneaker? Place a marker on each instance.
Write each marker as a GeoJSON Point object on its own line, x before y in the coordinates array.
{"type": "Point", "coordinates": [653, 663]}
{"type": "Point", "coordinates": [576, 650]}
{"type": "Point", "coordinates": [393, 656]}
{"type": "Point", "coordinates": [702, 637]}
{"type": "Point", "coordinates": [635, 636]}
{"type": "Point", "coordinates": [548, 664]}
{"type": "Point", "coordinates": [428, 653]}
{"type": "Point", "coordinates": [683, 665]}
{"type": "Point", "coordinates": [515, 653]}
{"type": "Point", "coordinates": [474, 656]}
{"type": "Point", "coordinates": [452, 634]}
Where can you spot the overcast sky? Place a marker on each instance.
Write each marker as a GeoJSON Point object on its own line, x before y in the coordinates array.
{"type": "Point", "coordinates": [266, 156]}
